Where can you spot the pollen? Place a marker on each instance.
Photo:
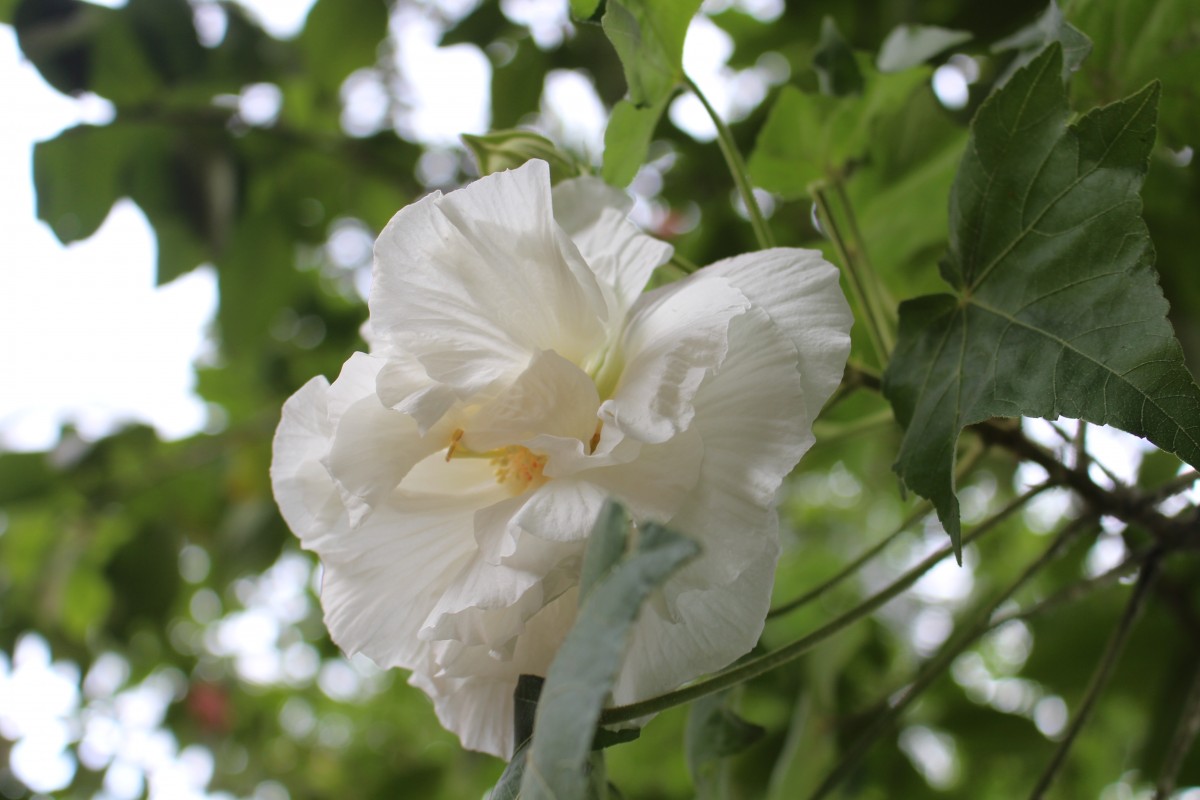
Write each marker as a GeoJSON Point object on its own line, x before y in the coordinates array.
{"type": "Point", "coordinates": [518, 469]}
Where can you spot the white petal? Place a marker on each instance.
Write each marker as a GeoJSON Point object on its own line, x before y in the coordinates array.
{"type": "Point", "coordinates": [551, 397]}
{"type": "Point", "coordinates": [562, 510]}
{"type": "Point", "coordinates": [799, 290]}
{"type": "Point", "coordinates": [479, 708]}
{"type": "Point", "coordinates": [675, 336]}
{"type": "Point", "coordinates": [476, 281]}
{"type": "Point", "coordinates": [656, 484]}
{"type": "Point", "coordinates": [595, 216]}
{"type": "Point", "coordinates": [714, 626]}
{"type": "Point", "coordinates": [750, 415]}
{"type": "Point", "coordinates": [303, 489]}
{"type": "Point", "coordinates": [387, 575]}
{"type": "Point", "coordinates": [403, 384]}
{"type": "Point", "coordinates": [373, 447]}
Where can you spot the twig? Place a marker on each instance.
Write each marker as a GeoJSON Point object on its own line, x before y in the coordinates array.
{"type": "Point", "coordinates": [938, 664]}
{"type": "Point", "coordinates": [1099, 680]}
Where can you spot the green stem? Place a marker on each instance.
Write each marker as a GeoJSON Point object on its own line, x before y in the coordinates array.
{"type": "Point", "coordinates": [748, 670]}
{"type": "Point", "coordinates": [922, 508]}
{"type": "Point", "coordinates": [884, 304]}
{"type": "Point", "coordinates": [856, 274]}
{"type": "Point", "coordinates": [1099, 680]}
{"type": "Point", "coordinates": [932, 670]}
{"type": "Point", "coordinates": [682, 264]}
{"type": "Point", "coordinates": [737, 168]}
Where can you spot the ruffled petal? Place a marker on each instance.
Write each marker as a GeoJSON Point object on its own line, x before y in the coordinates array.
{"type": "Point", "coordinates": [595, 215]}
{"type": "Point", "coordinates": [551, 397]}
{"type": "Point", "coordinates": [404, 385]}
{"type": "Point", "coordinates": [711, 628]}
{"type": "Point", "coordinates": [385, 577]}
{"type": "Point", "coordinates": [474, 282]}
{"type": "Point", "coordinates": [472, 690]}
{"type": "Point", "coordinates": [799, 290]}
{"type": "Point", "coordinates": [307, 497]}
{"type": "Point", "coordinates": [676, 335]}
{"type": "Point", "coordinates": [373, 447]}
{"type": "Point", "coordinates": [750, 416]}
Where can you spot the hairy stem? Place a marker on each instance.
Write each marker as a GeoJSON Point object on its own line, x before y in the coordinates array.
{"type": "Point", "coordinates": [737, 168]}
{"type": "Point", "coordinates": [1099, 680]}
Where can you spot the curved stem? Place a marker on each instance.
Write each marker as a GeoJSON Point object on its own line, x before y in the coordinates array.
{"type": "Point", "coordinates": [1112, 652]}
{"type": "Point", "coordinates": [737, 168]}
{"type": "Point", "coordinates": [747, 670]}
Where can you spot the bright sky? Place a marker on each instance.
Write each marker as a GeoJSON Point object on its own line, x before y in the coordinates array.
{"type": "Point", "coordinates": [84, 336]}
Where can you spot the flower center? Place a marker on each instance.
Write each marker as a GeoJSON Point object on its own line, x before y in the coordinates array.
{"type": "Point", "coordinates": [519, 468]}
{"type": "Point", "coordinates": [516, 468]}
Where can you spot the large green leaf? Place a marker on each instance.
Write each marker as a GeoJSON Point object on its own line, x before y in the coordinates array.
{"type": "Point", "coordinates": [648, 36]}
{"type": "Point", "coordinates": [1056, 310]}
{"type": "Point", "coordinates": [582, 674]}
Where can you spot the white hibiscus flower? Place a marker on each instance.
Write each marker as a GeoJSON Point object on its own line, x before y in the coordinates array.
{"type": "Point", "coordinates": [519, 377]}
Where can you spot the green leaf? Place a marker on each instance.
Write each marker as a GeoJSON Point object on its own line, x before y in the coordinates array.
{"type": "Point", "coordinates": [606, 545]}
{"type": "Point", "coordinates": [78, 177]}
{"type": "Point", "coordinates": [808, 136]}
{"type": "Point", "coordinates": [837, 69]}
{"type": "Point", "coordinates": [627, 140]}
{"type": "Point", "coordinates": [715, 732]}
{"type": "Point", "coordinates": [501, 150]}
{"type": "Point", "coordinates": [909, 45]}
{"type": "Point", "coordinates": [579, 679]}
{"type": "Point", "coordinates": [341, 36]}
{"type": "Point", "coordinates": [648, 37]}
{"type": "Point", "coordinates": [1048, 29]}
{"type": "Point", "coordinates": [584, 9]}
{"type": "Point", "coordinates": [1136, 42]}
{"type": "Point", "coordinates": [1057, 310]}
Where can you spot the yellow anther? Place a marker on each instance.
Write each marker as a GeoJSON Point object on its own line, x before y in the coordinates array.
{"type": "Point", "coordinates": [455, 438]}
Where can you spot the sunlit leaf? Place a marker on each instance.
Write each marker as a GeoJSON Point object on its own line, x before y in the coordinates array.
{"type": "Point", "coordinates": [1056, 310]}
{"type": "Point", "coordinates": [909, 45]}
{"type": "Point", "coordinates": [627, 140]}
{"type": "Point", "coordinates": [648, 36]}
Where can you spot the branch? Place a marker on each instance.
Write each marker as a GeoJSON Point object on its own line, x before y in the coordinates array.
{"type": "Point", "coordinates": [1112, 652]}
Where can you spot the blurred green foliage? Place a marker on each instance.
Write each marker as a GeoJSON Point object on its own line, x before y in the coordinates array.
{"type": "Point", "coordinates": [144, 548]}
